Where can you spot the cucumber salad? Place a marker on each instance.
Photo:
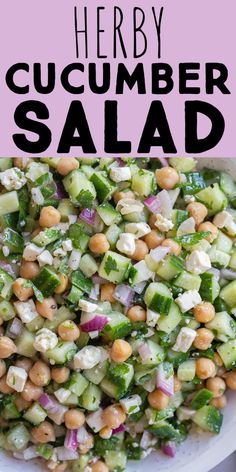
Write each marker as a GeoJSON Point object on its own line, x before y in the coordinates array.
{"type": "Point", "coordinates": [117, 308]}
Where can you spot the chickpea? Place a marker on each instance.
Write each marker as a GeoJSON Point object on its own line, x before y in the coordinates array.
{"type": "Point", "coordinates": [204, 312]}
{"type": "Point", "coordinates": [74, 419]}
{"type": "Point", "coordinates": [21, 291]}
{"type": "Point", "coordinates": [22, 404]}
{"type": "Point", "coordinates": [47, 308]}
{"type": "Point", "coordinates": [217, 359]}
{"type": "Point", "coordinates": [49, 216]}
{"type": "Point", "coordinates": [119, 195]}
{"type": "Point", "coordinates": [24, 363]}
{"type": "Point", "coordinates": [121, 350]}
{"type": "Point", "coordinates": [167, 178]}
{"type": "Point", "coordinates": [63, 284]}
{"type": "Point", "coordinates": [208, 226]}
{"type": "Point", "coordinates": [3, 368]}
{"type": "Point", "coordinates": [219, 402]}
{"type": "Point", "coordinates": [107, 291]}
{"type": "Point", "coordinates": [60, 374]}
{"type": "Point", "coordinates": [98, 244]}
{"type": "Point", "coordinates": [99, 466]}
{"type": "Point", "coordinates": [177, 384]}
{"type": "Point", "coordinates": [66, 165]}
{"type": "Point", "coordinates": [217, 386]}
{"type": "Point", "coordinates": [29, 270]}
{"type": "Point", "coordinates": [205, 368]}
{"type": "Point", "coordinates": [141, 250]}
{"type": "Point", "coordinates": [40, 374]}
{"type": "Point", "coordinates": [137, 313]}
{"type": "Point", "coordinates": [153, 239]}
{"type": "Point", "coordinates": [158, 400]}
{"type": "Point", "coordinates": [43, 433]}
{"type": "Point", "coordinates": [198, 211]}
{"type": "Point", "coordinates": [7, 347]}
{"type": "Point", "coordinates": [68, 331]}
{"type": "Point", "coordinates": [21, 162]}
{"type": "Point", "coordinates": [4, 388]}
{"type": "Point", "coordinates": [114, 416]}
{"type": "Point", "coordinates": [230, 379]}
{"type": "Point", "coordinates": [31, 391]}
{"type": "Point", "coordinates": [61, 467]}
{"type": "Point", "coordinates": [203, 339]}
{"type": "Point", "coordinates": [105, 433]}
{"type": "Point", "coordinates": [84, 448]}
{"type": "Point", "coordinates": [175, 248]}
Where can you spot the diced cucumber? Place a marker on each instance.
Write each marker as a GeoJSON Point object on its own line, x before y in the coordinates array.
{"type": "Point", "coordinates": [170, 267]}
{"type": "Point", "coordinates": [114, 267]}
{"type": "Point", "coordinates": [46, 281]}
{"type": "Point", "coordinates": [178, 216]}
{"type": "Point", "coordinates": [74, 295]}
{"type": "Point", "coordinates": [66, 208]}
{"type": "Point", "coordinates": [36, 324]}
{"type": "Point", "coordinates": [156, 355]}
{"type": "Point", "coordinates": [188, 281]}
{"type": "Point", "coordinates": [108, 214]}
{"type": "Point", "coordinates": [7, 311]}
{"type": "Point", "coordinates": [6, 282]}
{"type": "Point", "coordinates": [227, 352]}
{"type": "Point", "coordinates": [201, 398]}
{"type": "Point", "coordinates": [51, 161]}
{"type": "Point", "coordinates": [143, 182]}
{"type": "Point", "coordinates": [117, 380]}
{"type": "Point", "coordinates": [24, 343]}
{"type": "Point", "coordinates": [35, 414]}
{"type": "Point", "coordinates": [214, 199]}
{"type": "Point", "coordinates": [87, 170]}
{"type": "Point", "coordinates": [5, 163]}
{"type": "Point", "coordinates": [208, 418]}
{"type": "Point", "coordinates": [227, 184]}
{"type": "Point", "coordinates": [223, 326]}
{"type": "Point", "coordinates": [115, 460]}
{"type": "Point", "coordinates": [47, 236]}
{"type": "Point", "coordinates": [103, 185]}
{"type": "Point", "coordinates": [18, 437]}
{"type": "Point", "coordinates": [232, 262]}
{"type": "Point", "coordinates": [112, 234]}
{"type": "Point", "coordinates": [228, 294]}
{"type": "Point", "coordinates": [218, 258]}
{"type": "Point", "coordinates": [13, 241]}
{"type": "Point", "coordinates": [117, 327]}
{"type": "Point", "coordinates": [97, 373]}
{"type": "Point", "coordinates": [80, 281]}
{"type": "Point", "coordinates": [9, 410]}
{"type": "Point", "coordinates": [223, 243]}
{"type": "Point", "coordinates": [158, 298]}
{"type": "Point", "coordinates": [89, 161]}
{"type": "Point", "coordinates": [194, 183]}
{"type": "Point", "coordinates": [77, 383]}
{"type": "Point", "coordinates": [168, 323]}
{"type": "Point", "coordinates": [187, 370]}
{"type": "Point", "coordinates": [45, 451]}
{"type": "Point", "coordinates": [91, 398]}
{"type": "Point", "coordinates": [62, 353]}
{"type": "Point", "coordinates": [63, 314]}
{"type": "Point", "coordinates": [36, 170]}
{"type": "Point", "coordinates": [80, 189]}
{"type": "Point", "coordinates": [88, 265]}
{"type": "Point", "coordinates": [9, 220]}
{"type": "Point", "coordinates": [183, 164]}
{"type": "Point", "coordinates": [209, 289]}
{"type": "Point", "coordinates": [9, 203]}
{"type": "Point", "coordinates": [78, 236]}
{"type": "Point", "coordinates": [164, 430]}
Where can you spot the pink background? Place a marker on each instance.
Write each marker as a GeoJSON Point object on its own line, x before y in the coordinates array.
{"type": "Point", "coordinates": [43, 31]}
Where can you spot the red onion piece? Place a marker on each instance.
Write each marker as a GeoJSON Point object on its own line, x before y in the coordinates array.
{"type": "Point", "coordinates": [159, 253]}
{"type": "Point", "coordinates": [58, 417]}
{"type": "Point", "coordinates": [118, 430]}
{"type": "Point", "coordinates": [228, 274]}
{"type": "Point", "coordinates": [60, 191]}
{"type": "Point", "coordinates": [93, 322]}
{"type": "Point", "coordinates": [64, 454]}
{"type": "Point", "coordinates": [165, 381]}
{"type": "Point", "coordinates": [11, 269]}
{"type": "Point", "coordinates": [82, 435]}
{"type": "Point", "coordinates": [88, 215]}
{"type": "Point", "coordinates": [96, 279]}
{"type": "Point", "coordinates": [30, 453]}
{"type": "Point", "coordinates": [71, 441]}
{"type": "Point", "coordinates": [48, 403]}
{"type": "Point", "coordinates": [153, 204]}
{"type": "Point", "coordinates": [120, 162]}
{"type": "Point", "coordinates": [94, 294]}
{"type": "Point", "coordinates": [124, 294]}
{"type": "Point", "coordinates": [138, 288]}
{"type": "Point", "coordinates": [169, 449]}
{"type": "Point", "coordinates": [15, 328]}
{"type": "Point", "coordinates": [144, 351]}
{"type": "Point", "coordinates": [166, 204]}
{"type": "Point", "coordinates": [163, 161]}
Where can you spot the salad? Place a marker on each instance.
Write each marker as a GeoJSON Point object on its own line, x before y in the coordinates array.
{"type": "Point", "coordinates": [117, 307]}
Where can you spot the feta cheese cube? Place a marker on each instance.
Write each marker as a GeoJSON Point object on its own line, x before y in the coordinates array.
{"type": "Point", "coordinates": [26, 311]}
{"type": "Point", "coordinates": [188, 300]}
{"type": "Point", "coordinates": [126, 244]}
{"type": "Point", "coordinates": [5, 251]}
{"type": "Point", "coordinates": [120, 174]}
{"type": "Point", "coordinates": [12, 179]}
{"type": "Point", "coordinates": [87, 357]}
{"type": "Point", "coordinates": [87, 306]}
{"type": "Point", "coordinates": [45, 258]}
{"type": "Point", "coordinates": [187, 227]}
{"type": "Point", "coordinates": [95, 420]}
{"type": "Point", "coordinates": [138, 229]}
{"type": "Point", "coordinates": [37, 196]}
{"type": "Point", "coordinates": [184, 340]}
{"type": "Point", "coordinates": [129, 205]}
{"type": "Point", "coordinates": [198, 262]}
{"type": "Point", "coordinates": [189, 198]}
{"type": "Point", "coordinates": [62, 394]}
{"type": "Point", "coordinates": [67, 245]}
{"type": "Point", "coordinates": [147, 440]}
{"type": "Point", "coordinates": [152, 318]}
{"type": "Point", "coordinates": [45, 339]}
{"type": "Point", "coordinates": [32, 251]}
{"type": "Point", "coordinates": [225, 220]}
{"type": "Point", "coordinates": [59, 252]}
{"type": "Point", "coordinates": [131, 404]}
{"type": "Point", "coordinates": [184, 413]}
{"type": "Point", "coordinates": [16, 378]}
{"type": "Point", "coordinates": [74, 259]}
{"type": "Point", "coordinates": [144, 273]}
{"type": "Point", "coordinates": [163, 224]}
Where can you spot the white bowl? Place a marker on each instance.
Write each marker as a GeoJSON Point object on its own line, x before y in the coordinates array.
{"type": "Point", "coordinates": [199, 453]}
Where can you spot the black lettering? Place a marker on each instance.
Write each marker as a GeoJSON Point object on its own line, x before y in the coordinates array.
{"type": "Point", "coordinates": [76, 121]}
{"type": "Point", "coordinates": [158, 28]}
{"type": "Point", "coordinates": [162, 72]}
{"type": "Point", "coordinates": [156, 121]}
{"type": "Point", "coordinates": [10, 79]}
{"type": "Point", "coordinates": [65, 78]}
{"type": "Point", "coordinates": [84, 31]}
{"type": "Point", "coordinates": [99, 31]}
{"type": "Point", "coordinates": [106, 78]}
{"type": "Point", "coordinates": [185, 75]}
{"type": "Point", "coordinates": [117, 31]}
{"type": "Point", "coordinates": [138, 29]}
{"type": "Point", "coordinates": [218, 81]}
{"type": "Point", "coordinates": [51, 75]}
{"type": "Point", "coordinates": [28, 124]}
{"type": "Point", "coordinates": [112, 145]}
{"type": "Point", "coordinates": [136, 77]}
